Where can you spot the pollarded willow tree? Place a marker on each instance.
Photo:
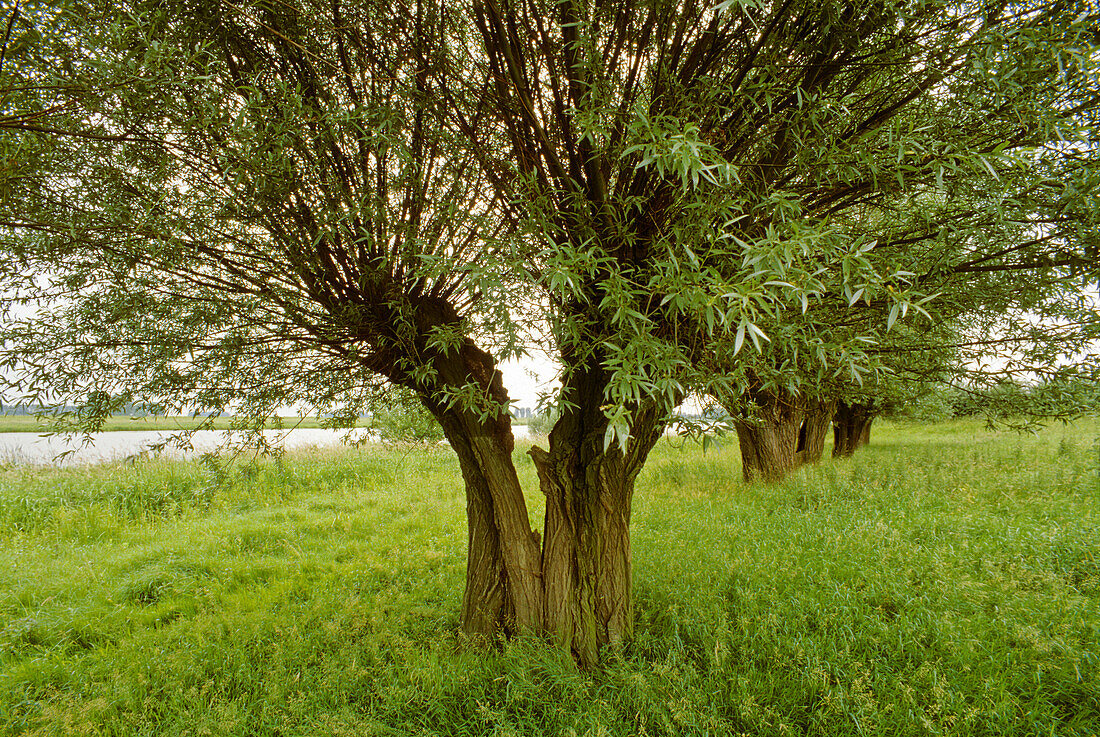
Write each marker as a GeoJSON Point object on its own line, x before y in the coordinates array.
{"type": "Point", "coordinates": [218, 205]}
{"type": "Point", "coordinates": [1006, 259]}
{"type": "Point", "coordinates": [1011, 258]}
{"type": "Point", "coordinates": [1001, 239]}
{"type": "Point", "coordinates": [227, 207]}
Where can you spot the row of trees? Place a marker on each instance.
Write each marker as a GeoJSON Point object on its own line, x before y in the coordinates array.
{"type": "Point", "coordinates": [213, 205]}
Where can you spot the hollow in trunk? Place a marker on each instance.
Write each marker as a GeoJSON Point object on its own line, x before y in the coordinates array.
{"type": "Point", "coordinates": [769, 437]}
{"type": "Point", "coordinates": [815, 428]}
{"type": "Point", "coordinates": [851, 428]}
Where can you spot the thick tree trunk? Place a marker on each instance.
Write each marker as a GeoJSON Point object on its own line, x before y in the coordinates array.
{"type": "Point", "coordinates": [576, 587]}
{"type": "Point", "coordinates": [586, 563]}
{"type": "Point", "coordinates": [504, 593]}
{"type": "Point", "coordinates": [769, 437]}
{"type": "Point", "coordinates": [851, 428]}
{"type": "Point", "coordinates": [815, 427]}
{"type": "Point", "coordinates": [782, 433]}
{"type": "Point", "coordinates": [487, 606]}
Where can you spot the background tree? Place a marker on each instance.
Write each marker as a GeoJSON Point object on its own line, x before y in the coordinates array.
{"type": "Point", "coordinates": [404, 420]}
{"type": "Point", "coordinates": [241, 206]}
{"type": "Point", "coordinates": [1011, 267]}
{"type": "Point", "coordinates": [989, 217]}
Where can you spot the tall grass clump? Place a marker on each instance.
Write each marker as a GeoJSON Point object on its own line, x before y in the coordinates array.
{"type": "Point", "coordinates": [943, 581]}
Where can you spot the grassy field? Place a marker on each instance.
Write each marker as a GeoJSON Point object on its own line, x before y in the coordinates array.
{"type": "Point", "coordinates": [944, 581]}
{"type": "Point", "coordinates": [30, 423]}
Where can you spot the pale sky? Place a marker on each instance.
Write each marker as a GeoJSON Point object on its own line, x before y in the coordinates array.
{"type": "Point", "coordinates": [526, 378]}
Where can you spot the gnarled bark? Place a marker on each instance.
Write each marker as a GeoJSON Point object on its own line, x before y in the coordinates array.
{"type": "Point", "coordinates": [815, 427]}
{"type": "Point", "coordinates": [576, 586]}
{"type": "Point", "coordinates": [503, 581]}
{"type": "Point", "coordinates": [586, 557]}
{"type": "Point", "coordinates": [851, 428]}
{"type": "Point", "coordinates": [503, 592]}
{"type": "Point", "coordinates": [782, 433]}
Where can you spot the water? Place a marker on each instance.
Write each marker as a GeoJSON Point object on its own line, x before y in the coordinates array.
{"type": "Point", "coordinates": [27, 448]}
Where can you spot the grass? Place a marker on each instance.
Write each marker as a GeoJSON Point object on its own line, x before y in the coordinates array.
{"type": "Point", "coordinates": [30, 423]}
{"type": "Point", "coordinates": [944, 581]}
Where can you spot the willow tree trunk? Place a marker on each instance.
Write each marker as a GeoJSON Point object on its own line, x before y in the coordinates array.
{"type": "Point", "coordinates": [815, 428]}
{"type": "Point", "coordinates": [586, 557]}
{"type": "Point", "coordinates": [851, 428]}
{"type": "Point", "coordinates": [504, 593]}
{"type": "Point", "coordinates": [769, 439]}
{"type": "Point", "coordinates": [576, 586]}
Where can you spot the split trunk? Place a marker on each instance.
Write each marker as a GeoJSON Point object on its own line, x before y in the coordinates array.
{"type": "Point", "coordinates": [572, 582]}
{"type": "Point", "coordinates": [769, 437]}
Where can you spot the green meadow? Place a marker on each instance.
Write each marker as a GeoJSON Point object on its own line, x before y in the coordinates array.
{"type": "Point", "coordinates": [945, 581]}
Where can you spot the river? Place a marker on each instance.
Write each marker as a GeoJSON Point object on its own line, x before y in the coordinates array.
{"type": "Point", "coordinates": [27, 448]}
